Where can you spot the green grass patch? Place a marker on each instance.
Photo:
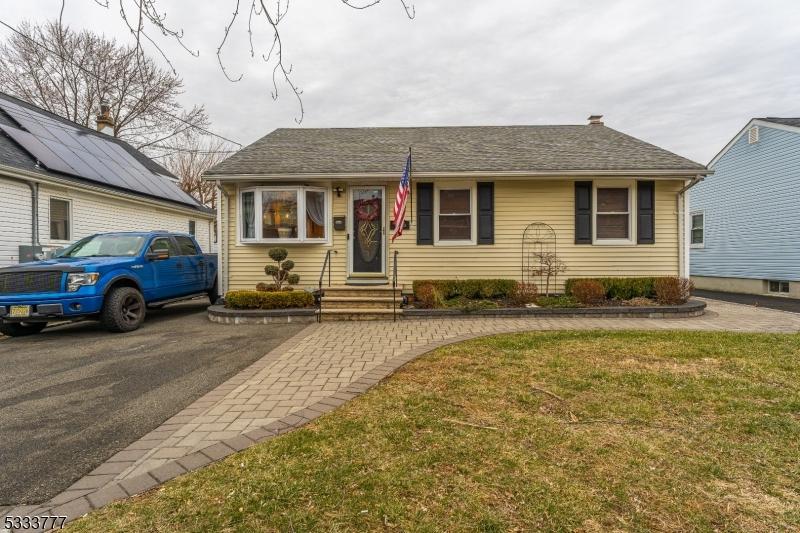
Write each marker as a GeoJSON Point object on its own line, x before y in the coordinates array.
{"type": "Point", "coordinates": [591, 431]}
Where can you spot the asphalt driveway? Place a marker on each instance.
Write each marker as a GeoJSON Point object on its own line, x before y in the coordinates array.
{"type": "Point", "coordinates": [757, 300]}
{"type": "Point", "coordinates": [74, 395]}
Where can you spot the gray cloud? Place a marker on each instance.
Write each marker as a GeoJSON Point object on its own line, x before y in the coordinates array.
{"type": "Point", "coordinates": [685, 75]}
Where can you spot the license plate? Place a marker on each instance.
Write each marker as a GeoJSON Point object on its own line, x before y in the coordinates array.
{"type": "Point", "coordinates": [20, 311]}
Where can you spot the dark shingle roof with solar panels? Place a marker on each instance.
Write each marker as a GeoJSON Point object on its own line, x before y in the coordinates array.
{"type": "Point", "coordinates": [35, 140]}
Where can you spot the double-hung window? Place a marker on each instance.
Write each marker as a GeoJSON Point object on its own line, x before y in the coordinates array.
{"type": "Point", "coordinates": [613, 214]}
{"type": "Point", "coordinates": [455, 214]}
{"type": "Point", "coordinates": [284, 214]}
{"type": "Point", "coordinates": [60, 220]}
{"type": "Point", "coordinates": [698, 234]}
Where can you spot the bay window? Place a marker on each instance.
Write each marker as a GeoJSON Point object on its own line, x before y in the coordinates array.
{"type": "Point", "coordinates": [284, 214]}
{"type": "Point", "coordinates": [612, 215]}
{"type": "Point", "coordinates": [455, 214]}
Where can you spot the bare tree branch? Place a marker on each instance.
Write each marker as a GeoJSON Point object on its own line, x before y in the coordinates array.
{"type": "Point", "coordinates": [147, 14]}
{"type": "Point", "coordinates": [71, 73]}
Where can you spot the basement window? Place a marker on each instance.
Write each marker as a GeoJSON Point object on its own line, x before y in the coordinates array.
{"type": "Point", "coordinates": [779, 287]}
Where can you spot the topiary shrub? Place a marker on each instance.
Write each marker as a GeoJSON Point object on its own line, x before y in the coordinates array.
{"type": "Point", "coordinates": [268, 300]}
{"type": "Point", "coordinates": [523, 294]}
{"type": "Point", "coordinates": [589, 291]}
{"type": "Point", "coordinates": [673, 290]}
{"type": "Point", "coordinates": [280, 272]}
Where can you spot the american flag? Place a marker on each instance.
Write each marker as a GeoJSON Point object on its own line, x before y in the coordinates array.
{"type": "Point", "coordinates": [400, 200]}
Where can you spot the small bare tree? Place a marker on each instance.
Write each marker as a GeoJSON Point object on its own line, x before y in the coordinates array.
{"type": "Point", "coordinates": [70, 73]}
{"type": "Point", "coordinates": [190, 159]}
{"type": "Point", "coordinates": [549, 266]}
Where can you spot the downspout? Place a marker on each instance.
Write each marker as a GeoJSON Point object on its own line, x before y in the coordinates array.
{"type": "Point", "coordinates": [34, 187]}
{"type": "Point", "coordinates": [683, 227]}
{"type": "Point", "coordinates": [222, 238]}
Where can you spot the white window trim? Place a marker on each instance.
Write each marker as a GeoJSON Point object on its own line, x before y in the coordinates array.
{"type": "Point", "coordinates": [691, 228]}
{"type": "Point", "coordinates": [301, 214]}
{"type": "Point", "coordinates": [70, 221]}
{"type": "Point", "coordinates": [473, 213]}
{"type": "Point", "coordinates": [779, 292]}
{"type": "Point", "coordinates": [627, 184]}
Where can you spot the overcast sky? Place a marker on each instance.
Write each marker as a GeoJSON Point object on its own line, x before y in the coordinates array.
{"type": "Point", "coordinates": [685, 75]}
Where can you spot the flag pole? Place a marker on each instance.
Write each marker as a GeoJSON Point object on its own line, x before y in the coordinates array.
{"type": "Point", "coordinates": [410, 188]}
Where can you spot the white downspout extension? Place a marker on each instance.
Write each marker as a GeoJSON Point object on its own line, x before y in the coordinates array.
{"type": "Point", "coordinates": [684, 239]}
{"type": "Point", "coordinates": [222, 238]}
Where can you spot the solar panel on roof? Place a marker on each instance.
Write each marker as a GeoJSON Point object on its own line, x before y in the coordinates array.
{"type": "Point", "coordinates": [63, 148]}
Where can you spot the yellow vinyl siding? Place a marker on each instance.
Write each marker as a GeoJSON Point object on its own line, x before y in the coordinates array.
{"type": "Point", "coordinates": [517, 204]}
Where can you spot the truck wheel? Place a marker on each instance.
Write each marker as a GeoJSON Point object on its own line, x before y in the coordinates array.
{"type": "Point", "coordinates": [123, 310]}
{"type": "Point", "coordinates": [213, 293]}
{"type": "Point", "coordinates": [22, 329]}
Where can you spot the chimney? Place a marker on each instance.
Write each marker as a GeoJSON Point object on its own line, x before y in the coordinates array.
{"type": "Point", "coordinates": [596, 120]}
{"type": "Point", "coordinates": [105, 123]}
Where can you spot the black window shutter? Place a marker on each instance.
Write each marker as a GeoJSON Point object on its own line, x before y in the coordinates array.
{"type": "Point", "coordinates": [486, 213]}
{"type": "Point", "coordinates": [583, 212]}
{"type": "Point", "coordinates": [424, 213]}
{"type": "Point", "coordinates": [646, 212]}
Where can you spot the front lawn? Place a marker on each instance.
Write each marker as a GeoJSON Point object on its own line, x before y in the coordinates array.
{"type": "Point", "coordinates": [594, 431]}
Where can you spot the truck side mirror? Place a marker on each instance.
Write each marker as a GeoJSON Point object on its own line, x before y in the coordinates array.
{"type": "Point", "coordinates": [157, 256]}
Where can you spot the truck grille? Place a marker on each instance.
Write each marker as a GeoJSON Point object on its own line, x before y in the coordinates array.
{"type": "Point", "coordinates": [26, 282]}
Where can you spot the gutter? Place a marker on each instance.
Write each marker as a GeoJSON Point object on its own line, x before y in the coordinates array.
{"type": "Point", "coordinates": [28, 176]}
{"type": "Point", "coordinates": [511, 174]}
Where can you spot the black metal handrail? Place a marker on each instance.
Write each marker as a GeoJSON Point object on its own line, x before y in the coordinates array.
{"type": "Point", "coordinates": [325, 264]}
{"type": "Point", "coordinates": [394, 286]}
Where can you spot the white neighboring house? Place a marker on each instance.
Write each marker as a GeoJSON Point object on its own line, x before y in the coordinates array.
{"type": "Point", "coordinates": [43, 208]}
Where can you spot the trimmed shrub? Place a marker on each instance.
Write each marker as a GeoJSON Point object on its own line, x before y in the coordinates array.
{"type": "Point", "coordinates": [524, 293]}
{"type": "Point", "coordinates": [473, 289]}
{"type": "Point", "coordinates": [588, 291]}
{"type": "Point", "coordinates": [268, 300]}
{"type": "Point", "coordinates": [620, 288]}
{"type": "Point", "coordinates": [426, 296]}
{"type": "Point", "coordinates": [673, 290]}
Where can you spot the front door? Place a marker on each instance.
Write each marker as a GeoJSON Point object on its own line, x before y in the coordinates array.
{"type": "Point", "coordinates": [367, 239]}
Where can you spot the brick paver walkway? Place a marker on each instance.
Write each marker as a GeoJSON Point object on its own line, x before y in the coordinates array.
{"type": "Point", "coordinates": [322, 367]}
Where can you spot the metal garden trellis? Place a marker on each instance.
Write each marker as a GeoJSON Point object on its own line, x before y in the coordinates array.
{"type": "Point", "coordinates": [539, 250]}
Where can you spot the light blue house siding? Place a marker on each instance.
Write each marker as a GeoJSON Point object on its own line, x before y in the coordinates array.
{"type": "Point", "coordinates": [751, 207]}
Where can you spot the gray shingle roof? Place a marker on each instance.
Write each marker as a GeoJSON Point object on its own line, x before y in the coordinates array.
{"type": "Point", "coordinates": [12, 155]}
{"type": "Point", "coordinates": [450, 149]}
{"type": "Point", "coordinates": [785, 121]}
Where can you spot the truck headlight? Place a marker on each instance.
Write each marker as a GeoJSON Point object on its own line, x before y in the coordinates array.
{"type": "Point", "coordinates": [76, 281]}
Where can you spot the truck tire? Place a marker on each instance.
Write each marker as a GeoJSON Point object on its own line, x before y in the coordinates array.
{"type": "Point", "coordinates": [22, 329]}
{"type": "Point", "coordinates": [123, 310]}
{"type": "Point", "coordinates": [213, 293]}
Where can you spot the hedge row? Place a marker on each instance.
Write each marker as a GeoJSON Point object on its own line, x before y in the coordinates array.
{"type": "Point", "coordinates": [620, 288]}
{"type": "Point", "coordinates": [467, 288]}
{"type": "Point", "coordinates": [268, 300]}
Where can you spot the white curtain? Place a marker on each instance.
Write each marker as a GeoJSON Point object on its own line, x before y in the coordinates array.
{"type": "Point", "coordinates": [249, 215]}
{"type": "Point", "coordinates": [315, 207]}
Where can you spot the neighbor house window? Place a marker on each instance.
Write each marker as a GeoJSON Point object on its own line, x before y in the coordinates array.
{"type": "Point", "coordinates": [284, 214]}
{"type": "Point", "coordinates": [59, 220]}
{"type": "Point", "coordinates": [613, 214]}
{"type": "Point", "coordinates": [192, 228]}
{"type": "Point", "coordinates": [698, 237]}
{"type": "Point", "coordinates": [455, 214]}
{"type": "Point", "coordinates": [779, 286]}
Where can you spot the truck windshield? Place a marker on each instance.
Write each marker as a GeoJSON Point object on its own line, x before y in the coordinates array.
{"type": "Point", "coordinates": [104, 246]}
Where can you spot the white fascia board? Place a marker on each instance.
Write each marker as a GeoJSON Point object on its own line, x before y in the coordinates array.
{"type": "Point", "coordinates": [753, 122]}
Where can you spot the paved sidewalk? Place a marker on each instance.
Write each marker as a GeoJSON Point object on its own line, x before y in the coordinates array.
{"type": "Point", "coordinates": [322, 367]}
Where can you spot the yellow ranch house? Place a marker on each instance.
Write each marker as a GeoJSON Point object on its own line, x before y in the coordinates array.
{"type": "Point", "coordinates": [616, 205]}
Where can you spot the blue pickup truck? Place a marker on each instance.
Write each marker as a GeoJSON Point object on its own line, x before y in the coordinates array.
{"type": "Point", "coordinates": [113, 277]}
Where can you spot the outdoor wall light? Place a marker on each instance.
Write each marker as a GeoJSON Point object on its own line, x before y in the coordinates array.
{"type": "Point", "coordinates": [338, 190]}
